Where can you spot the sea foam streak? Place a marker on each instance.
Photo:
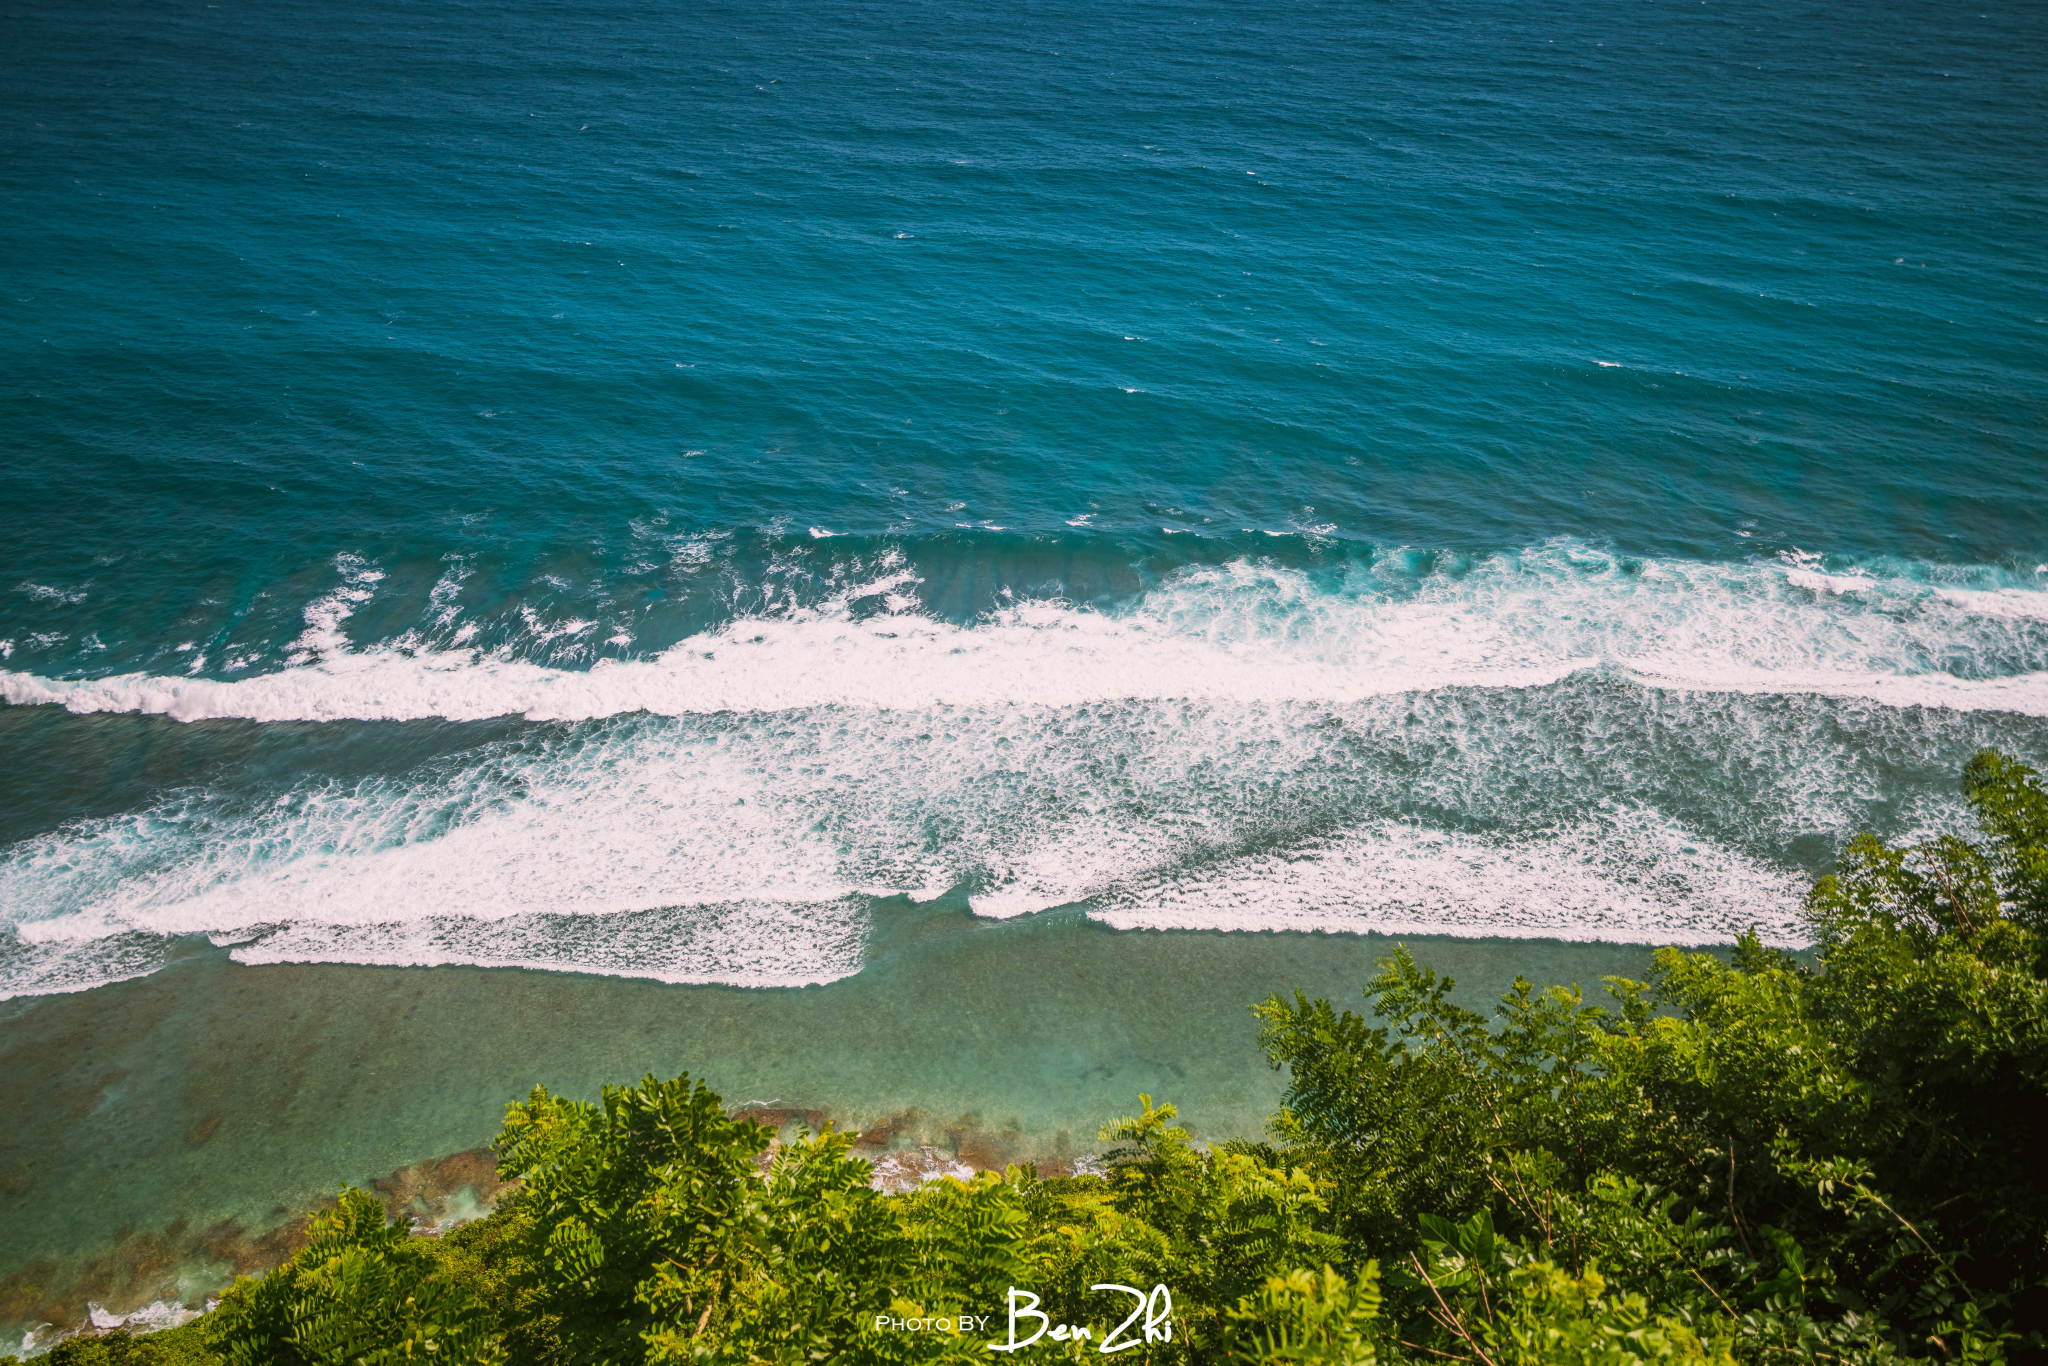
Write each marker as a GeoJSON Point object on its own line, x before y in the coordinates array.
{"type": "Point", "coordinates": [745, 848]}
{"type": "Point", "coordinates": [1239, 750]}
{"type": "Point", "coordinates": [1242, 631]}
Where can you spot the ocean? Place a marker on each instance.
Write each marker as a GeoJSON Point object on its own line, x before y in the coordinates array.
{"type": "Point", "coordinates": [691, 507]}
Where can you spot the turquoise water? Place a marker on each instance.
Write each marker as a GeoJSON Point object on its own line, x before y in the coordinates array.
{"type": "Point", "coordinates": [212, 1093]}
{"type": "Point", "coordinates": [628, 499]}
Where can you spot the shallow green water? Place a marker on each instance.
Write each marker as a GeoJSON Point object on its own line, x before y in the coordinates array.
{"type": "Point", "coordinates": [214, 1092]}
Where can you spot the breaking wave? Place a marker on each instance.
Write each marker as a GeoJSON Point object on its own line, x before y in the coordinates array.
{"type": "Point", "coordinates": [1553, 744]}
{"type": "Point", "coordinates": [1243, 631]}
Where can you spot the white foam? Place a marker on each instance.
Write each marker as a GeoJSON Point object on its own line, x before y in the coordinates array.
{"type": "Point", "coordinates": [2026, 694]}
{"type": "Point", "coordinates": [1244, 748]}
{"type": "Point", "coordinates": [78, 963]}
{"type": "Point", "coordinates": [898, 1172]}
{"type": "Point", "coordinates": [1639, 879]}
{"type": "Point", "coordinates": [441, 598]}
{"type": "Point", "coordinates": [324, 615]}
{"type": "Point", "coordinates": [743, 848]}
{"type": "Point", "coordinates": [752, 944]}
{"type": "Point", "coordinates": [43, 592]}
{"type": "Point", "coordinates": [2018, 603]}
{"type": "Point", "coordinates": [150, 1318]}
{"type": "Point", "coordinates": [1241, 631]}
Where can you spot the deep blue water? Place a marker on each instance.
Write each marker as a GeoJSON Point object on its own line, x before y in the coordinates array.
{"type": "Point", "coordinates": [473, 469]}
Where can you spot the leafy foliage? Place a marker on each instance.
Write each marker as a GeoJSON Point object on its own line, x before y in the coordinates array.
{"type": "Point", "coordinates": [170, 1347]}
{"type": "Point", "coordinates": [1313, 1318]}
{"type": "Point", "coordinates": [1838, 1160]}
{"type": "Point", "coordinates": [363, 1293]}
{"type": "Point", "coordinates": [653, 1177]}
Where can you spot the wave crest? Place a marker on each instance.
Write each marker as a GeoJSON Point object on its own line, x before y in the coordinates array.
{"type": "Point", "coordinates": [1241, 631]}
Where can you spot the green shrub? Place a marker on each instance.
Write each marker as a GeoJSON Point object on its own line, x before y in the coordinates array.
{"type": "Point", "coordinates": [363, 1293]}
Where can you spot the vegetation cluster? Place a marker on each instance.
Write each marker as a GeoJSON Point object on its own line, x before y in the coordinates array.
{"type": "Point", "coordinates": [1757, 1158]}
